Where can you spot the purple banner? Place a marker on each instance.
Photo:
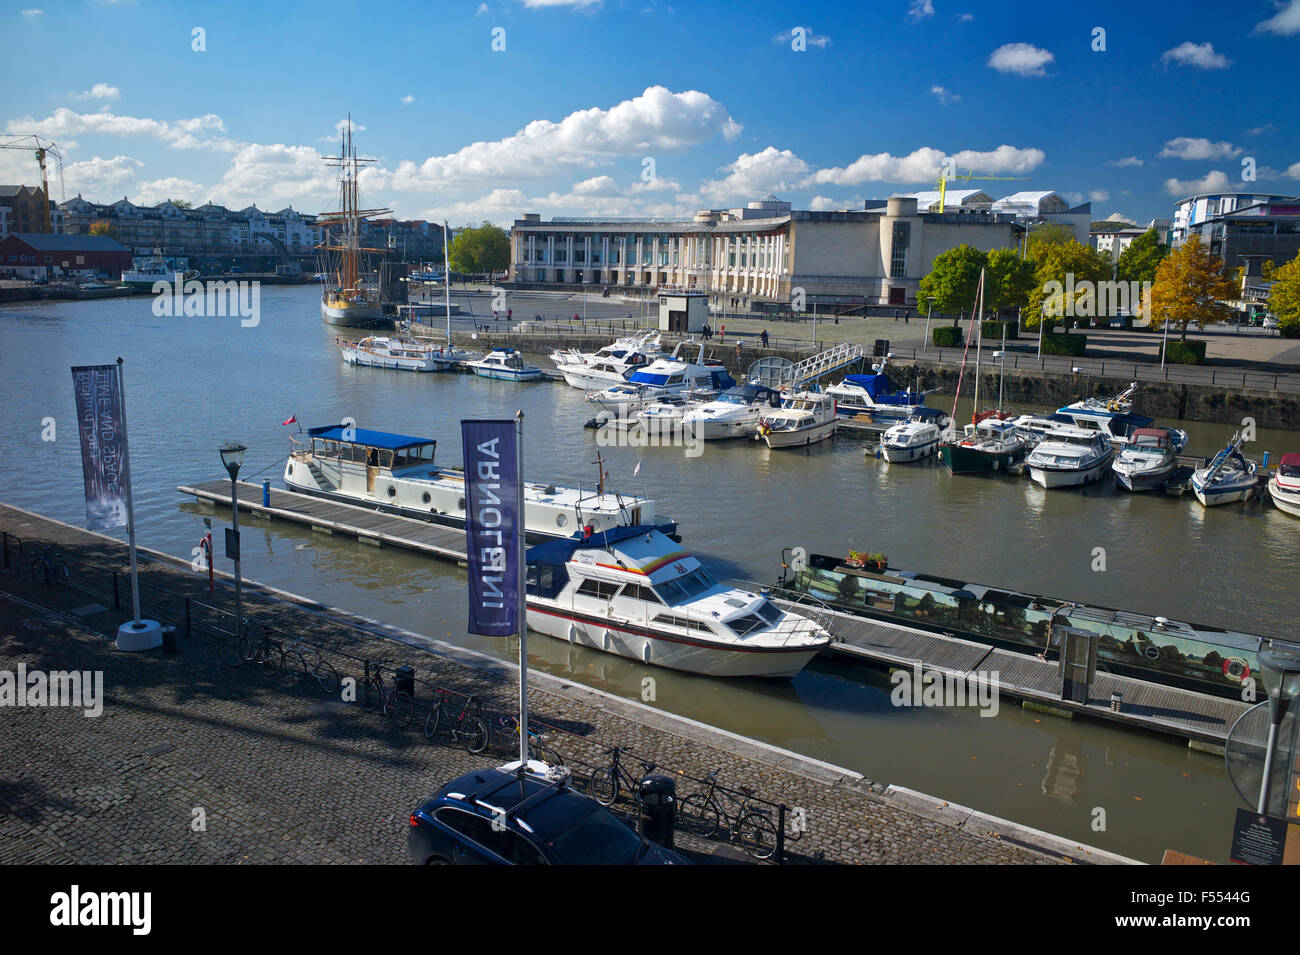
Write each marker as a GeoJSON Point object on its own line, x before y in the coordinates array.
{"type": "Point", "coordinates": [102, 427]}
{"type": "Point", "coordinates": [491, 518]}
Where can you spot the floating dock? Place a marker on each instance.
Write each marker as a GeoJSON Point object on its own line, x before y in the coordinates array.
{"type": "Point", "coordinates": [1202, 719]}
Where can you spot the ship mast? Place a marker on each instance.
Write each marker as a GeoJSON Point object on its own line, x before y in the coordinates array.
{"type": "Point", "coordinates": [350, 212]}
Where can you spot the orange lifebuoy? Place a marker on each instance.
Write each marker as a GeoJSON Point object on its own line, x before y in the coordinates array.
{"type": "Point", "coordinates": [1236, 668]}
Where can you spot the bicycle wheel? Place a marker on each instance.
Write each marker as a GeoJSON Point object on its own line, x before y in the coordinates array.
{"type": "Point", "coordinates": [547, 755]}
{"type": "Point", "coordinates": [249, 648]}
{"type": "Point", "coordinates": [229, 652]}
{"type": "Point", "coordinates": [372, 695]}
{"type": "Point", "coordinates": [295, 668]}
{"type": "Point", "coordinates": [400, 708]}
{"type": "Point", "coordinates": [432, 721]}
{"type": "Point", "coordinates": [272, 655]}
{"type": "Point", "coordinates": [327, 677]}
{"type": "Point", "coordinates": [604, 786]}
{"type": "Point", "coordinates": [474, 734]}
{"type": "Point", "coordinates": [41, 571]}
{"type": "Point", "coordinates": [698, 815]}
{"type": "Point", "coordinates": [60, 576]}
{"type": "Point", "coordinates": [757, 834]}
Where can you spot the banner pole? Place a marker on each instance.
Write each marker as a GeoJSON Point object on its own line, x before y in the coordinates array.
{"type": "Point", "coordinates": [521, 545]}
{"type": "Point", "coordinates": [130, 507]}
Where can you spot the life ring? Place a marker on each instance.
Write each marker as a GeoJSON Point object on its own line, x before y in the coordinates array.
{"type": "Point", "coordinates": [1235, 668]}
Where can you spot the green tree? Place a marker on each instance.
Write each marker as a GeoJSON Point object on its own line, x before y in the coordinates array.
{"type": "Point", "coordinates": [181, 203]}
{"type": "Point", "coordinates": [482, 249]}
{"type": "Point", "coordinates": [1138, 263]}
{"type": "Point", "coordinates": [1284, 297]}
{"type": "Point", "coordinates": [953, 280]}
{"type": "Point", "coordinates": [1044, 234]}
{"type": "Point", "coordinates": [1190, 287]}
{"type": "Point", "coordinates": [1058, 267]}
{"type": "Point", "coordinates": [1008, 280]}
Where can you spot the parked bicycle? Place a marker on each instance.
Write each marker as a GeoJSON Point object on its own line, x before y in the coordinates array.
{"type": "Point", "coordinates": [230, 646]}
{"type": "Point", "coordinates": [262, 647]}
{"type": "Point", "coordinates": [703, 814]}
{"type": "Point", "coordinates": [299, 657]}
{"type": "Point", "coordinates": [48, 569]}
{"type": "Point", "coordinates": [608, 781]}
{"type": "Point", "coordinates": [396, 704]}
{"type": "Point", "coordinates": [537, 747]}
{"type": "Point", "coordinates": [466, 728]}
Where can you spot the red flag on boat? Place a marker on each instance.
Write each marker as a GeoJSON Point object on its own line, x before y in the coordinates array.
{"type": "Point", "coordinates": [293, 419]}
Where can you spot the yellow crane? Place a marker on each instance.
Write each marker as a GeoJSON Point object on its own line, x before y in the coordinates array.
{"type": "Point", "coordinates": [944, 177]}
{"type": "Point", "coordinates": [41, 147]}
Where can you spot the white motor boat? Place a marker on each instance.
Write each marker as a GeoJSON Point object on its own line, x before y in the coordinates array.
{"type": "Point", "coordinates": [404, 354]}
{"type": "Point", "coordinates": [1118, 426]}
{"type": "Point", "coordinates": [1284, 485]}
{"type": "Point", "coordinates": [610, 365]}
{"type": "Point", "coordinates": [395, 473]}
{"type": "Point", "coordinates": [665, 417]}
{"type": "Point", "coordinates": [664, 376]}
{"type": "Point", "coordinates": [645, 341]}
{"type": "Point", "coordinates": [631, 591]}
{"type": "Point", "coordinates": [1070, 456]}
{"type": "Point", "coordinates": [915, 439]}
{"type": "Point", "coordinates": [732, 414]}
{"type": "Point", "coordinates": [804, 418]}
{"type": "Point", "coordinates": [504, 364]}
{"type": "Point", "coordinates": [873, 395]}
{"type": "Point", "coordinates": [1147, 461]}
{"type": "Point", "coordinates": [1230, 476]}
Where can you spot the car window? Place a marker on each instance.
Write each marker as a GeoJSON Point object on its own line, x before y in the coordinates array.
{"type": "Point", "coordinates": [577, 831]}
{"type": "Point", "coordinates": [474, 828]}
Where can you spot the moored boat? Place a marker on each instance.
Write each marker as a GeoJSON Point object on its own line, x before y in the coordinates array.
{"type": "Point", "coordinates": [504, 364]}
{"type": "Point", "coordinates": [403, 354]}
{"type": "Point", "coordinates": [1284, 485]}
{"type": "Point", "coordinates": [804, 418]}
{"type": "Point", "coordinates": [1068, 457]}
{"type": "Point", "coordinates": [631, 591]}
{"type": "Point", "coordinates": [1230, 476]}
{"type": "Point", "coordinates": [1147, 461]}
{"type": "Point", "coordinates": [990, 443]}
{"type": "Point", "coordinates": [732, 414]}
{"type": "Point", "coordinates": [873, 395]}
{"type": "Point", "coordinates": [915, 439]}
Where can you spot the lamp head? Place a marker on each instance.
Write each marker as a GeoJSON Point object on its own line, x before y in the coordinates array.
{"type": "Point", "coordinates": [232, 456]}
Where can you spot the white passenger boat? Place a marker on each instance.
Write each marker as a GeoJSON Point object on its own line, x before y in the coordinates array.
{"type": "Point", "coordinates": [804, 418]}
{"type": "Point", "coordinates": [915, 439]}
{"type": "Point", "coordinates": [633, 592]}
{"type": "Point", "coordinates": [403, 354]}
{"type": "Point", "coordinates": [610, 365]}
{"type": "Point", "coordinates": [396, 473]}
{"type": "Point", "coordinates": [504, 364]}
{"type": "Point", "coordinates": [1230, 476]}
{"type": "Point", "coordinates": [1284, 485]}
{"type": "Point", "coordinates": [1069, 456]}
{"type": "Point", "coordinates": [1118, 426]}
{"type": "Point", "coordinates": [873, 395]}
{"type": "Point", "coordinates": [665, 417]}
{"type": "Point", "coordinates": [645, 341]}
{"type": "Point", "coordinates": [732, 414]}
{"type": "Point", "coordinates": [148, 269]}
{"type": "Point", "coordinates": [664, 376]}
{"type": "Point", "coordinates": [1147, 461]}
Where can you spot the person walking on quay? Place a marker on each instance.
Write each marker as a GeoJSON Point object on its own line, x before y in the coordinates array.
{"type": "Point", "coordinates": [764, 338]}
{"type": "Point", "coordinates": [509, 312]}
{"type": "Point", "coordinates": [895, 314]}
{"type": "Point", "coordinates": [722, 334]}
{"type": "Point", "coordinates": [907, 316]}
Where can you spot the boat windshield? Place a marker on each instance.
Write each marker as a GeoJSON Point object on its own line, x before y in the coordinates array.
{"type": "Point", "coordinates": [1289, 470]}
{"type": "Point", "coordinates": [766, 614]}
{"type": "Point", "coordinates": [679, 590]}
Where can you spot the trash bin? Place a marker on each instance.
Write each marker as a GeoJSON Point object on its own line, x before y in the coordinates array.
{"type": "Point", "coordinates": [881, 348]}
{"type": "Point", "coordinates": [657, 795]}
{"type": "Point", "coordinates": [169, 639]}
{"type": "Point", "coordinates": [404, 680]}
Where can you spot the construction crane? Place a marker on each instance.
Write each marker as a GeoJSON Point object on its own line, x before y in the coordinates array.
{"type": "Point", "coordinates": [943, 182]}
{"type": "Point", "coordinates": [41, 147]}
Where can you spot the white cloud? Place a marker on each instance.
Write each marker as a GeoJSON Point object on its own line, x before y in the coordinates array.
{"type": "Point", "coordinates": [1023, 59]}
{"type": "Point", "coordinates": [596, 186]}
{"type": "Point", "coordinates": [1257, 130]}
{"type": "Point", "coordinates": [98, 91]}
{"type": "Point", "coordinates": [1293, 171]}
{"type": "Point", "coordinates": [1200, 55]}
{"type": "Point", "coordinates": [482, 10]}
{"type": "Point", "coordinates": [63, 124]}
{"type": "Point", "coordinates": [408, 99]}
{"type": "Point", "coordinates": [1192, 147]}
{"type": "Point", "coordinates": [32, 12]}
{"type": "Point", "coordinates": [965, 17]}
{"type": "Point", "coordinates": [756, 174]}
{"type": "Point", "coordinates": [101, 177]}
{"type": "Point", "coordinates": [1099, 195]}
{"type": "Point", "coordinates": [1286, 22]}
{"type": "Point", "coordinates": [824, 204]}
{"type": "Point", "coordinates": [945, 97]}
{"type": "Point", "coordinates": [922, 165]}
{"type": "Point", "coordinates": [159, 190]}
{"type": "Point", "coordinates": [809, 37]}
{"type": "Point", "coordinates": [537, 4]}
{"type": "Point", "coordinates": [1120, 217]}
{"type": "Point", "coordinates": [919, 10]}
{"type": "Point", "coordinates": [1213, 181]}
{"type": "Point", "coordinates": [1126, 161]}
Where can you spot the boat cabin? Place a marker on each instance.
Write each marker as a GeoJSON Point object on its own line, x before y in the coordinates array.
{"type": "Point", "coordinates": [1157, 438]}
{"type": "Point", "coordinates": [376, 450]}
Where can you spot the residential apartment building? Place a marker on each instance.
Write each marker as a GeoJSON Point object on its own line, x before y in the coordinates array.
{"type": "Point", "coordinates": [1192, 211]}
{"type": "Point", "coordinates": [22, 209]}
{"type": "Point", "coordinates": [1247, 236]}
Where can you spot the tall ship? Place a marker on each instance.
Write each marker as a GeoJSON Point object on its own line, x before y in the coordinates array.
{"type": "Point", "coordinates": [346, 299]}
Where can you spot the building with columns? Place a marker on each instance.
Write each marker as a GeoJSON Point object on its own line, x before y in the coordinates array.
{"type": "Point", "coordinates": [759, 256]}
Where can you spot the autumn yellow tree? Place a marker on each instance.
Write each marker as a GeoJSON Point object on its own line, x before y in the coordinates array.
{"type": "Point", "coordinates": [1284, 297]}
{"type": "Point", "coordinates": [103, 227]}
{"type": "Point", "coordinates": [1190, 287]}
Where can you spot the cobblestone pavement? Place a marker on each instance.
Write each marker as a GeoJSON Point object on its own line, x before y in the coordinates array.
{"type": "Point", "coordinates": [279, 774]}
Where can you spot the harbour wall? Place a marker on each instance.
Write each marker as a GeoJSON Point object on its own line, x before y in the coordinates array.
{"type": "Point", "coordinates": [1162, 400]}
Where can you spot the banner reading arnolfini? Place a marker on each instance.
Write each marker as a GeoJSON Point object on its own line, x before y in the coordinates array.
{"type": "Point", "coordinates": [102, 427]}
{"type": "Point", "coordinates": [491, 519]}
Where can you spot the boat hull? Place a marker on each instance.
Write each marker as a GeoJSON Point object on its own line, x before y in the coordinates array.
{"type": "Point", "coordinates": [507, 374]}
{"type": "Point", "coordinates": [1214, 495]}
{"type": "Point", "coordinates": [801, 438]}
{"type": "Point", "coordinates": [673, 652]}
{"type": "Point", "coordinates": [1069, 477]}
{"type": "Point", "coordinates": [899, 455]}
{"type": "Point", "coordinates": [1287, 501]}
{"type": "Point", "coordinates": [959, 459]}
{"type": "Point", "coordinates": [1138, 481]}
{"type": "Point", "coordinates": [352, 314]}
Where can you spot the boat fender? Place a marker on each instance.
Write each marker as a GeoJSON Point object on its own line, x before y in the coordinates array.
{"type": "Point", "coordinates": [392, 490]}
{"type": "Point", "coordinates": [1236, 668]}
{"type": "Point", "coordinates": [604, 640]}
{"type": "Point", "coordinates": [645, 652]}
{"type": "Point", "coordinates": [573, 633]}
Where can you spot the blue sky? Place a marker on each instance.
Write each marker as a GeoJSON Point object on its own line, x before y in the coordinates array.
{"type": "Point", "coordinates": [588, 99]}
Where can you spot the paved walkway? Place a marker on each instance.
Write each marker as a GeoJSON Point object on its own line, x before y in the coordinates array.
{"type": "Point", "coordinates": [281, 775]}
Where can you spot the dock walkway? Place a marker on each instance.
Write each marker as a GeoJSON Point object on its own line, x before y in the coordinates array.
{"type": "Point", "coordinates": [1202, 719]}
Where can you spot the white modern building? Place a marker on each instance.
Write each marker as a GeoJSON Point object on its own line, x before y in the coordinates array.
{"type": "Point", "coordinates": [1046, 206]}
{"type": "Point", "coordinates": [762, 255]}
{"type": "Point", "coordinates": [1193, 211]}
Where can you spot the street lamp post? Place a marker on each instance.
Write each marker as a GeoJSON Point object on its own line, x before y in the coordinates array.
{"type": "Point", "coordinates": [1164, 345]}
{"type": "Point", "coordinates": [1280, 672]}
{"type": "Point", "coordinates": [929, 300]}
{"type": "Point", "coordinates": [232, 456]}
{"type": "Point", "coordinates": [1002, 372]}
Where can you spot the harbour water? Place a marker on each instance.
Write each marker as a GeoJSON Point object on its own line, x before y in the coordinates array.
{"type": "Point", "coordinates": [194, 383]}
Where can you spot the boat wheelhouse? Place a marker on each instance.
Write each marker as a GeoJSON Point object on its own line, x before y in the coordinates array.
{"type": "Point", "coordinates": [504, 364]}
{"type": "Point", "coordinates": [804, 418]}
{"type": "Point", "coordinates": [396, 473]}
{"type": "Point", "coordinates": [873, 395]}
{"type": "Point", "coordinates": [633, 592]}
{"type": "Point", "coordinates": [915, 439]}
{"type": "Point", "coordinates": [1068, 457]}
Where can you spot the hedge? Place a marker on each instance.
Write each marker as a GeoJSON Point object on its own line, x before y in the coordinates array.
{"type": "Point", "coordinates": [993, 330]}
{"type": "Point", "coordinates": [1184, 353]}
{"type": "Point", "coordinates": [946, 336]}
{"type": "Point", "coordinates": [1291, 330]}
{"type": "Point", "coordinates": [1060, 343]}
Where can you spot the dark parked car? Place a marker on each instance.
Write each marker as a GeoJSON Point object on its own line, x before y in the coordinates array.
{"type": "Point", "coordinates": [494, 817]}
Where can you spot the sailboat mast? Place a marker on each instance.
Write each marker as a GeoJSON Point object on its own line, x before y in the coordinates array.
{"type": "Point", "coordinates": [979, 342]}
{"type": "Point", "coordinates": [446, 276]}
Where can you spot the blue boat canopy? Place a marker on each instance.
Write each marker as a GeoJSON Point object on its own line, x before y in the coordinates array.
{"type": "Point", "coordinates": [877, 387]}
{"type": "Point", "coordinates": [371, 439]}
{"type": "Point", "coordinates": [557, 552]}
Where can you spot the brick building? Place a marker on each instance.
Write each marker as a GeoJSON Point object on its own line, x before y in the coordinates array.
{"type": "Point", "coordinates": [38, 255]}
